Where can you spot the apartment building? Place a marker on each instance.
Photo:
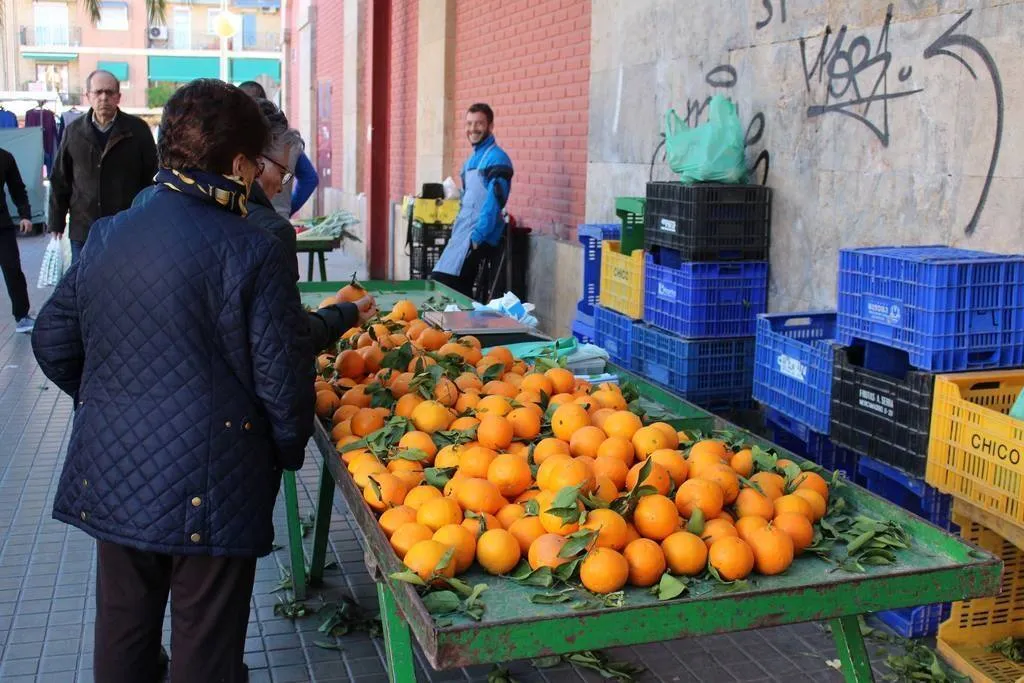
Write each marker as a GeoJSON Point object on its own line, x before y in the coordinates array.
{"type": "Point", "coordinates": [57, 45]}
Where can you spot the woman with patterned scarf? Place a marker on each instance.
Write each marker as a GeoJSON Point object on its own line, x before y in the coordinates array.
{"type": "Point", "coordinates": [180, 336]}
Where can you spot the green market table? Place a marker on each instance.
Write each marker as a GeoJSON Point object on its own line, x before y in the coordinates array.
{"type": "Point", "coordinates": [316, 247]}
{"type": "Point", "coordinates": [937, 568]}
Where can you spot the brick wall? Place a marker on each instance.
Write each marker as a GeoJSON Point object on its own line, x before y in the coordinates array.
{"type": "Point", "coordinates": [405, 42]}
{"type": "Point", "coordinates": [329, 65]}
{"type": "Point", "coordinates": [530, 60]}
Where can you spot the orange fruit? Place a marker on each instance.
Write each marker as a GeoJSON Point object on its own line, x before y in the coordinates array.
{"type": "Point", "coordinates": [494, 432]}
{"type": "Point", "coordinates": [793, 503]}
{"type": "Point", "coordinates": [599, 417]}
{"type": "Point", "coordinates": [670, 433]}
{"type": "Point", "coordinates": [477, 527]}
{"type": "Point", "coordinates": [510, 513]}
{"type": "Point", "coordinates": [711, 446]}
{"type": "Point", "coordinates": [519, 448]}
{"type": "Point", "coordinates": [435, 513]}
{"type": "Point", "coordinates": [771, 484]}
{"type": "Point", "coordinates": [613, 468]}
{"type": "Point", "coordinates": [685, 553]}
{"type": "Point", "coordinates": [407, 535]}
{"type": "Point", "coordinates": [357, 396]}
{"type": "Point", "coordinates": [548, 467]}
{"type": "Point", "coordinates": [343, 413]}
{"type": "Point", "coordinates": [326, 403]}
{"type": "Point", "coordinates": [411, 478]}
{"type": "Point", "coordinates": [461, 424]}
{"type": "Point", "coordinates": [539, 383]}
{"type": "Point", "coordinates": [458, 537]}
{"type": "Point", "coordinates": [467, 381]}
{"type": "Point", "coordinates": [475, 461]}
{"type": "Point", "coordinates": [604, 570]}
{"type": "Point", "coordinates": [562, 381]}
{"type": "Point", "coordinates": [568, 473]}
{"type": "Point", "coordinates": [605, 489]}
{"type": "Point", "coordinates": [479, 495]}
{"type": "Point", "coordinates": [366, 469]}
{"type": "Point", "coordinates": [702, 462]}
{"type": "Point", "coordinates": [586, 441]}
{"type": "Point", "coordinates": [350, 364]}
{"type": "Point", "coordinates": [510, 473]}
{"type": "Point", "coordinates": [658, 477]}
{"type": "Point", "coordinates": [556, 524]}
{"type": "Point", "coordinates": [496, 405]}
{"type": "Point", "coordinates": [750, 503]}
{"type": "Point", "coordinates": [404, 310]}
{"type": "Point", "coordinates": [544, 551]}
{"type": "Point", "coordinates": [699, 493]}
{"type": "Point", "coordinates": [716, 529]}
{"type": "Point", "coordinates": [567, 419]}
{"type": "Point", "coordinates": [724, 476]}
{"type": "Point", "coordinates": [622, 424]}
{"type": "Point", "coordinates": [612, 400]}
{"type": "Point", "coordinates": [814, 482]}
{"type": "Point", "coordinates": [773, 550]}
{"type": "Point", "coordinates": [646, 562]}
{"type": "Point", "coordinates": [525, 423]}
{"type": "Point", "coordinates": [617, 447]}
{"type": "Point", "coordinates": [341, 430]}
{"type": "Point", "coordinates": [419, 495]}
{"type": "Point", "coordinates": [367, 421]}
{"type": "Point", "coordinates": [425, 558]}
{"type": "Point", "coordinates": [449, 456]}
{"type": "Point", "coordinates": [419, 441]}
{"type": "Point", "coordinates": [431, 339]}
{"type": "Point", "coordinates": [797, 527]}
{"type": "Point", "coordinates": [527, 530]}
{"type": "Point", "coordinates": [548, 447]}
{"type": "Point", "coordinates": [673, 462]}
{"type": "Point", "coordinates": [610, 528]}
{"type": "Point", "coordinates": [743, 463]}
{"type": "Point", "coordinates": [631, 533]}
{"type": "Point", "coordinates": [431, 417]}
{"type": "Point", "coordinates": [732, 557]}
{"type": "Point", "coordinates": [656, 517]}
{"type": "Point", "coordinates": [498, 551]}
{"type": "Point", "coordinates": [407, 404]}
{"type": "Point", "coordinates": [500, 388]}
{"type": "Point", "coordinates": [647, 440]}
{"type": "Point", "coordinates": [467, 402]}
{"type": "Point", "coordinates": [501, 354]}
{"type": "Point", "coordinates": [559, 400]}
{"type": "Point", "coordinates": [746, 525]}
{"type": "Point", "coordinates": [817, 503]}
{"type": "Point", "coordinates": [396, 517]}
{"type": "Point", "coordinates": [724, 514]}
{"type": "Point", "coordinates": [445, 392]}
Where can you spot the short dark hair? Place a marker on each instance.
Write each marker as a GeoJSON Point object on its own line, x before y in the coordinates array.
{"type": "Point", "coordinates": [253, 89]}
{"type": "Point", "coordinates": [206, 123]}
{"type": "Point", "coordinates": [480, 107]}
{"type": "Point", "coordinates": [97, 72]}
{"type": "Point", "coordinates": [279, 134]}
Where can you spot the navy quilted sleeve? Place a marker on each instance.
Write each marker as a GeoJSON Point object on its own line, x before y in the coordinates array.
{"type": "Point", "coordinates": [57, 337]}
{"type": "Point", "coordinates": [282, 354]}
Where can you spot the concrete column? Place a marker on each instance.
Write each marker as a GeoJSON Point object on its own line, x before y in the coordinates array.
{"type": "Point", "coordinates": [435, 83]}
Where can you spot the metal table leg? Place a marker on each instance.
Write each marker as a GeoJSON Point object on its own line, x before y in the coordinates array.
{"type": "Point", "coordinates": [851, 650]}
{"type": "Point", "coordinates": [295, 551]}
{"type": "Point", "coordinates": [323, 265]}
{"type": "Point", "coordinates": [309, 268]}
{"type": "Point", "coordinates": [321, 525]}
{"type": "Point", "coordinates": [397, 638]}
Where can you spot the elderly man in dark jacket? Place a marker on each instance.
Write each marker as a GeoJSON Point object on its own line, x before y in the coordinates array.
{"type": "Point", "coordinates": [181, 337]}
{"type": "Point", "coordinates": [105, 158]}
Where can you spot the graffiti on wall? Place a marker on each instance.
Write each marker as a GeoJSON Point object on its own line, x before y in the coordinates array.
{"type": "Point", "coordinates": [856, 75]}
{"type": "Point", "coordinates": [769, 8]}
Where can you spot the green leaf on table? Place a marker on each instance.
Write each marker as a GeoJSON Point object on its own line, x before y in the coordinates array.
{"type": "Point", "coordinates": [375, 487]}
{"type": "Point", "coordinates": [493, 372]}
{"type": "Point", "coordinates": [532, 508]}
{"type": "Point", "coordinates": [325, 645]}
{"type": "Point", "coordinates": [474, 596]}
{"type": "Point", "coordinates": [540, 577]}
{"type": "Point", "coordinates": [445, 560]}
{"type": "Point", "coordinates": [565, 572]}
{"type": "Point", "coordinates": [413, 454]}
{"type": "Point", "coordinates": [460, 586]}
{"type": "Point", "coordinates": [408, 576]}
{"type": "Point", "coordinates": [566, 497]}
{"type": "Point", "coordinates": [441, 602]}
{"type": "Point", "coordinates": [546, 662]}
{"type": "Point", "coordinates": [438, 476]}
{"type": "Point", "coordinates": [763, 460]}
{"type": "Point", "coordinates": [696, 523]}
{"type": "Point", "coordinates": [552, 598]}
{"type": "Point", "coordinates": [577, 542]}
{"type": "Point", "coordinates": [644, 473]}
{"type": "Point", "coordinates": [670, 587]}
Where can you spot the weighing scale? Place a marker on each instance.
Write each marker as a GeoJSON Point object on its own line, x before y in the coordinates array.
{"type": "Point", "coordinates": [491, 327]}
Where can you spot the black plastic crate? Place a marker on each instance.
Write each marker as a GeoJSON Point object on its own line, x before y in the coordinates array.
{"type": "Point", "coordinates": [709, 222]}
{"type": "Point", "coordinates": [426, 242]}
{"type": "Point", "coordinates": [886, 417]}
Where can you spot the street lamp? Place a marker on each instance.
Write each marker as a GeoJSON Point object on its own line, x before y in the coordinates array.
{"type": "Point", "coordinates": [226, 26]}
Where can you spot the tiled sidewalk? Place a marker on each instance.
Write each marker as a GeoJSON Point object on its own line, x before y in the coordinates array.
{"type": "Point", "coordinates": [47, 592]}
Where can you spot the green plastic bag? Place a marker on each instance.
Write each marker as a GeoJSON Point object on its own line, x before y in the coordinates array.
{"type": "Point", "coordinates": [711, 152]}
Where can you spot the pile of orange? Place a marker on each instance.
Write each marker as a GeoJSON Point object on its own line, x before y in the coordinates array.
{"type": "Point", "coordinates": [495, 510]}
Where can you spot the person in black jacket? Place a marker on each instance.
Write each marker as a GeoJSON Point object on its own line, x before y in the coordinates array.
{"type": "Point", "coordinates": [180, 334]}
{"type": "Point", "coordinates": [10, 257]}
{"type": "Point", "coordinates": [105, 158]}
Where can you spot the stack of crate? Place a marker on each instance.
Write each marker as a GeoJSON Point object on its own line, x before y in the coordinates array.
{"type": "Point", "coordinates": [904, 315]}
{"type": "Point", "coordinates": [705, 282]}
{"type": "Point", "coordinates": [591, 237]}
{"type": "Point", "coordinates": [621, 293]}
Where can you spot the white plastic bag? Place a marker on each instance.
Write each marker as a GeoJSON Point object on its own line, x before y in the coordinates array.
{"type": "Point", "coordinates": [65, 251]}
{"type": "Point", "coordinates": [53, 265]}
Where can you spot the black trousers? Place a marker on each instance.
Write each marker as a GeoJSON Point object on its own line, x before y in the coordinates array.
{"type": "Point", "coordinates": [464, 281]}
{"type": "Point", "coordinates": [209, 615]}
{"type": "Point", "coordinates": [10, 264]}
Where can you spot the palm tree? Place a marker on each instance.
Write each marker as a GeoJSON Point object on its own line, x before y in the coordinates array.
{"type": "Point", "coordinates": [155, 9]}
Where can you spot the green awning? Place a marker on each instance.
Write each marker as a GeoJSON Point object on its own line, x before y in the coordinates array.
{"type": "Point", "coordinates": [119, 69]}
{"type": "Point", "coordinates": [183, 69]}
{"type": "Point", "coordinates": [249, 69]}
{"type": "Point", "coordinates": [51, 56]}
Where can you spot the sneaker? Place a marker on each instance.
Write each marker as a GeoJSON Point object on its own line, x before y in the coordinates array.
{"type": "Point", "coordinates": [25, 324]}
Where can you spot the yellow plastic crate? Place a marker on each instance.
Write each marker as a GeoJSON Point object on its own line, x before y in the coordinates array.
{"type": "Point", "coordinates": [976, 450]}
{"type": "Point", "coordinates": [435, 211]}
{"type": "Point", "coordinates": [622, 279]}
{"type": "Point", "coordinates": [964, 639]}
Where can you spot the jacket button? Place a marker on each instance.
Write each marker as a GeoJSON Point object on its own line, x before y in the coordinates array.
{"type": "Point", "coordinates": [84, 515]}
{"type": "Point", "coordinates": [195, 538]}
{"type": "Point", "coordinates": [197, 501]}
{"type": "Point", "coordinates": [247, 426]}
{"type": "Point", "coordinates": [227, 424]}
{"type": "Point", "coordinates": [85, 482]}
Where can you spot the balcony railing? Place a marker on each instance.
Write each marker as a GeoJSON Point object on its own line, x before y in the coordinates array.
{"type": "Point", "coordinates": [51, 36]}
{"type": "Point", "coordinates": [200, 40]}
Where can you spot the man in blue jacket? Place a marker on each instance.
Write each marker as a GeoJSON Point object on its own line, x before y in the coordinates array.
{"type": "Point", "coordinates": [479, 227]}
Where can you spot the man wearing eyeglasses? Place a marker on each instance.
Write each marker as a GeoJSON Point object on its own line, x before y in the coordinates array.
{"type": "Point", "coordinates": [105, 158]}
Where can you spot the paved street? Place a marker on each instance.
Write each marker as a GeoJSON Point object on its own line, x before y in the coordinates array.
{"type": "Point", "coordinates": [47, 591]}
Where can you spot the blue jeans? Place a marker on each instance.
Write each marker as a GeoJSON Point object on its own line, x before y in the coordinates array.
{"type": "Point", "coordinates": [76, 249]}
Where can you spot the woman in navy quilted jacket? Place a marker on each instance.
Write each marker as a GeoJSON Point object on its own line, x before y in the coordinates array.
{"type": "Point", "coordinates": [180, 336]}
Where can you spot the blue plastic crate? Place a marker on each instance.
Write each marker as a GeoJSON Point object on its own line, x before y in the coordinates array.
{"type": "Point", "coordinates": [909, 492]}
{"type": "Point", "coordinates": [793, 365]}
{"type": "Point", "coordinates": [713, 373]}
{"type": "Point", "coordinates": [949, 309]}
{"type": "Point", "coordinates": [797, 438]}
{"type": "Point", "coordinates": [614, 334]}
{"type": "Point", "coordinates": [583, 331]}
{"type": "Point", "coordinates": [916, 622]}
{"type": "Point", "coordinates": [591, 236]}
{"type": "Point", "coordinates": [705, 299]}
